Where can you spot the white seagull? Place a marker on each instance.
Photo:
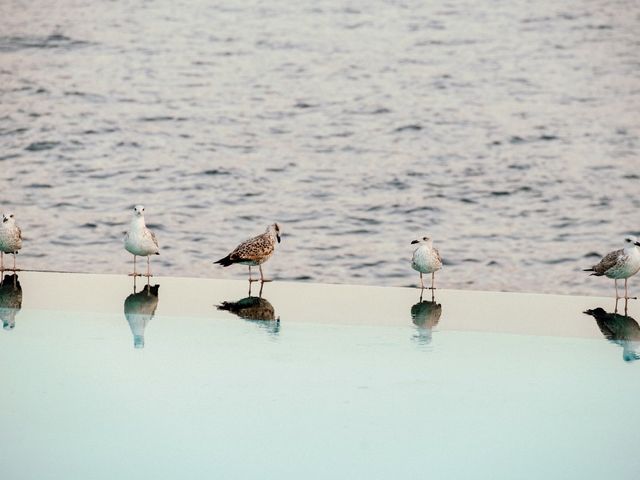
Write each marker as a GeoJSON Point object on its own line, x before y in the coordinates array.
{"type": "Point", "coordinates": [623, 263]}
{"type": "Point", "coordinates": [426, 259]}
{"type": "Point", "coordinates": [10, 238]}
{"type": "Point", "coordinates": [139, 240]}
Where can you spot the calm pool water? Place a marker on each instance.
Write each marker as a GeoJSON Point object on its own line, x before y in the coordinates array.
{"type": "Point", "coordinates": [350, 382]}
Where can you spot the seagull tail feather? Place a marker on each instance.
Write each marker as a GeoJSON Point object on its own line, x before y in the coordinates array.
{"type": "Point", "coordinates": [225, 262]}
{"type": "Point", "coordinates": [592, 269]}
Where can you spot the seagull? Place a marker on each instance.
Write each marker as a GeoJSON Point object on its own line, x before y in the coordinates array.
{"type": "Point", "coordinates": [254, 251]}
{"type": "Point", "coordinates": [10, 238]}
{"type": "Point", "coordinates": [139, 240]}
{"type": "Point", "coordinates": [426, 259]}
{"type": "Point", "coordinates": [623, 263]}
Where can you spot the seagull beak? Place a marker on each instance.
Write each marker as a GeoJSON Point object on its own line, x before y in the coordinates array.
{"type": "Point", "coordinates": [415, 241]}
{"type": "Point", "coordinates": [5, 219]}
{"type": "Point", "coordinates": [278, 237]}
{"type": "Point", "coordinates": [637, 244]}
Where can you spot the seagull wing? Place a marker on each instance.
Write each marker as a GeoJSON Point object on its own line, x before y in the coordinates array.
{"type": "Point", "coordinates": [255, 248]}
{"type": "Point", "coordinates": [609, 261]}
{"type": "Point", "coordinates": [153, 237]}
{"type": "Point", "coordinates": [435, 250]}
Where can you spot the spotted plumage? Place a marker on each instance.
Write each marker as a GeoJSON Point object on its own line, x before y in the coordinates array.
{"type": "Point", "coordinates": [426, 259]}
{"type": "Point", "coordinates": [619, 264]}
{"type": "Point", "coordinates": [10, 238]}
{"type": "Point", "coordinates": [255, 251]}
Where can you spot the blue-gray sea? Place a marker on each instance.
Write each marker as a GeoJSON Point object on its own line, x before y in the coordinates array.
{"type": "Point", "coordinates": [508, 130]}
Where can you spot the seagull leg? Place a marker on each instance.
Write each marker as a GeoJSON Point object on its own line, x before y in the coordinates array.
{"type": "Point", "coordinates": [134, 274]}
{"type": "Point", "coordinates": [148, 267]}
{"type": "Point", "coordinates": [616, 284]}
{"type": "Point", "coordinates": [626, 294]}
{"type": "Point", "coordinates": [421, 282]}
{"type": "Point", "coordinates": [251, 279]}
{"type": "Point", "coordinates": [14, 262]}
{"type": "Point", "coordinates": [262, 279]}
{"type": "Point", "coordinates": [433, 278]}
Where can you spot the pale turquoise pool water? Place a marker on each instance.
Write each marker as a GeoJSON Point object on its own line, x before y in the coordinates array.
{"type": "Point", "coordinates": [217, 396]}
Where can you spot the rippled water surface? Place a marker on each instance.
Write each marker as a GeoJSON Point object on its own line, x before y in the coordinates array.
{"type": "Point", "coordinates": [509, 133]}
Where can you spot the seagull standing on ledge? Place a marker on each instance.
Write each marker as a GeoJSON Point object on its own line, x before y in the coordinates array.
{"type": "Point", "coordinates": [426, 259]}
{"type": "Point", "coordinates": [623, 263]}
{"type": "Point", "coordinates": [254, 251]}
{"type": "Point", "coordinates": [10, 238]}
{"type": "Point", "coordinates": [139, 240]}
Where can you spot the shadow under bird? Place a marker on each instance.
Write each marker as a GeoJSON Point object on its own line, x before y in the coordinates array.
{"type": "Point", "coordinates": [255, 251]}
{"type": "Point", "coordinates": [139, 309]}
{"type": "Point", "coordinates": [10, 239]}
{"type": "Point", "coordinates": [426, 259]}
{"type": "Point", "coordinates": [140, 241]}
{"type": "Point", "coordinates": [10, 301]}
{"type": "Point", "coordinates": [619, 264]}
{"type": "Point", "coordinates": [619, 329]}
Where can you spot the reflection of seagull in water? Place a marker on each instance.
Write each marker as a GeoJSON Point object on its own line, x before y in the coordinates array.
{"type": "Point", "coordinates": [619, 329]}
{"type": "Point", "coordinates": [139, 309]}
{"type": "Point", "coordinates": [254, 309]}
{"type": "Point", "coordinates": [10, 301]}
{"type": "Point", "coordinates": [425, 316]}
{"type": "Point", "coordinates": [623, 263]}
{"type": "Point", "coordinates": [426, 259]}
{"type": "Point", "coordinates": [254, 251]}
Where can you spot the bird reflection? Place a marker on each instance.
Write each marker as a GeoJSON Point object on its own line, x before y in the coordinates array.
{"type": "Point", "coordinates": [10, 300]}
{"type": "Point", "coordinates": [425, 316]}
{"type": "Point", "coordinates": [139, 309]}
{"type": "Point", "coordinates": [621, 330]}
{"type": "Point", "coordinates": [254, 309]}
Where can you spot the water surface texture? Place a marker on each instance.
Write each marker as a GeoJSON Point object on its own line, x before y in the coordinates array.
{"type": "Point", "coordinates": [509, 133]}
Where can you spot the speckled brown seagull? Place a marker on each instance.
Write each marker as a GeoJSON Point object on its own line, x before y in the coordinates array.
{"type": "Point", "coordinates": [623, 263]}
{"type": "Point", "coordinates": [254, 251]}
